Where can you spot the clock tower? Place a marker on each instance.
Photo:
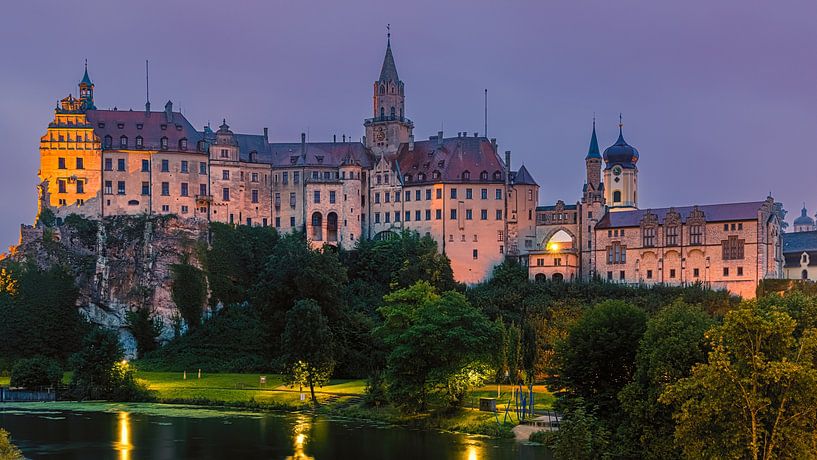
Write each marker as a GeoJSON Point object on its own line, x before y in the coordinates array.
{"type": "Point", "coordinates": [388, 127]}
{"type": "Point", "coordinates": [621, 174]}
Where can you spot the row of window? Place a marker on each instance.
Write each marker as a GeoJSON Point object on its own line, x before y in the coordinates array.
{"type": "Point", "coordinates": [140, 143]}
{"type": "Point", "coordinates": [435, 175]}
{"type": "Point", "coordinates": [438, 215]}
{"type": "Point", "coordinates": [121, 165]}
{"type": "Point", "coordinates": [418, 195]}
{"type": "Point", "coordinates": [696, 273]}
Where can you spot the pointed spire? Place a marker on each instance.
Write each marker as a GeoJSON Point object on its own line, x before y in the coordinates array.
{"type": "Point", "coordinates": [620, 140]}
{"type": "Point", "coordinates": [593, 151]}
{"type": "Point", "coordinates": [85, 79]}
{"type": "Point", "coordinates": [389, 71]}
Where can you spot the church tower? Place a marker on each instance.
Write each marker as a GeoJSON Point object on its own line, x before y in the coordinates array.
{"type": "Point", "coordinates": [621, 174]}
{"type": "Point", "coordinates": [388, 127]}
{"type": "Point", "coordinates": [593, 187]}
{"type": "Point", "coordinates": [591, 209]}
{"type": "Point", "coordinates": [86, 91]}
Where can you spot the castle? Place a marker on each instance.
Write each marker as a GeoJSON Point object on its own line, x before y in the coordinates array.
{"type": "Point", "coordinates": [459, 190]}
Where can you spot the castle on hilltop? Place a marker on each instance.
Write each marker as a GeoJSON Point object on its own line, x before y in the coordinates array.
{"type": "Point", "coordinates": [459, 190]}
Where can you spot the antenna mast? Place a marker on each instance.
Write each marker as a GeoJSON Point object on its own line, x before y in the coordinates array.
{"type": "Point", "coordinates": [147, 86]}
{"type": "Point", "coordinates": [486, 112]}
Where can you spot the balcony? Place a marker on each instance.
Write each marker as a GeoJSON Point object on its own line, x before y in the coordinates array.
{"type": "Point", "coordinates": [370, 121]}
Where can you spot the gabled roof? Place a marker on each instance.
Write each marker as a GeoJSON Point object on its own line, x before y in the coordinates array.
{"type": "Point", "coordinates": [522, 177]}
{"type": "Point", "coordinates": [316, 154]}
{"type": "Point", "coordinates": [451, 157]}
{"type": "Point", "coordinates": [712, 213]}
{"type": "Point", "coordinates": [107, 122]}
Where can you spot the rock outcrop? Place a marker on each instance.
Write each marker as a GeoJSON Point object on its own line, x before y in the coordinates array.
{"type": "Point", "coordinates": [120, 263]}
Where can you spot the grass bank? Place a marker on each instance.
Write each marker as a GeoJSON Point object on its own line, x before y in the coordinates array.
{"type": "Point", "coordinates": [340, 398]}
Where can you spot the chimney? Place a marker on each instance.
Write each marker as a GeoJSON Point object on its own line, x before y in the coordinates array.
{"type": "Point", "coordinates": [411, 142]}
{"type": "Point", "coordinates": [334, 138]}
{"type": "Point", "coordinates": [266, 134]}
{"type": "Point", "coordinates": [344, 138]}
{"type": "Point", "coordinates": [508, 160]}
{"type": "Point", "coordinates": [303, 144]}
{"type": "Point", "coordinates": [147, 108]}
{"type": "Point", "coordinates": [493, 143]}
{"type": "Point", "coordinates": [439, 138]}
{"type": "Point", "coordinates": [169, 111]}
{"type": "Point", "coordinates": [476, 134]}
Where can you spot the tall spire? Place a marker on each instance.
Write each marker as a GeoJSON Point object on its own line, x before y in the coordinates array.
{"type": "Point", "coordinates": [85, 79]}
{"type": "Point", "coordinates": [620, 140]}
{"type": "Point", "coordinates": [389, 71]}
{"type": "Point", "coordinates": [593, 151]}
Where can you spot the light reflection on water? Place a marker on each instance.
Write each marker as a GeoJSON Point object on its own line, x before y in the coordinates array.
{"type": "Point", "coordinates": [124, 445]}
{"type": "Point", "coordinates": [300, 436]}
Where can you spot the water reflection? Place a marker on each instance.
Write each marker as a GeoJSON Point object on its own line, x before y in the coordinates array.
{"type": "Point", "coordinates": [124, 445]}
{"type": "Point", "coordinates": [300, 437]}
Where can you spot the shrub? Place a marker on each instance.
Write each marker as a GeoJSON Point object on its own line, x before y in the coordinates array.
{"type": "Point", "coordinates": [36, 372]}
{"type": "Point", "coordinates": [7, 450]}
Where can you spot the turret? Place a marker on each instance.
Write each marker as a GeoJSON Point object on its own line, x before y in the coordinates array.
{"type": "Point", "coordinates": [621, 174]}
{"type": "Point", "coordinates": [593, 189]}
{"type": "Point", "coordinates": [86, 90]}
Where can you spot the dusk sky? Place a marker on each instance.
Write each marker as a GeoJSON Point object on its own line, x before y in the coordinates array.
{"type": "Point", "coordinates": [719, 97]}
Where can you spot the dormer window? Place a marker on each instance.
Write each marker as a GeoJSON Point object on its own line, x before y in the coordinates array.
{"type": "Point", "coordinates": [163, 143]}
{"type": "Point", "coordinates": [200, 145]}
{"type": "Point", "coordinates": [483, 175]}
{"type": "Point", "coordinates": [497, 175]}
{"type": "Point", "coordinates": [139, 125]}
{"type": "Point", "coordinates": [441, 164]}
{"type": "Point", "coordinates": [466, 175]}
{"type": "Point", "coordinates": [253, 157]}
{"type": "Point", "coordinates": [164, 127]}
{"type": "Point", "coordinates": [183, 144]}
{"type": "Point", "coordinates": [435, 175]}
{"type": "Point", "coordinates": [421, 177]}
{"type": "Point", "coordinates": [178, 127]}
{"type": "Point", "coordinates": [320, 159]}
{"type": "Point", "coordinates": [120, 125]}
{"type": "Point", "coordinates": [123, 142]}
{"type": "Point", "coordinates": [101, 124]}
{"type": "Point", "coordinates": [108, 142]}
{"type": "Point", "coordinates": [293, 159]}
{"type": "Point", "coordinates": [407, 178]}
{"type": "Point", "coordinates": [139, 142]}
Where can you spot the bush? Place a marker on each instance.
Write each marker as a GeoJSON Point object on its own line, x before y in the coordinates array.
{"type": "Point", "coordinates": [36, 372]}
{"type": "Point", "coordinates": [7, 450]}
{"type": "Point", "coordinates": [541, 437]}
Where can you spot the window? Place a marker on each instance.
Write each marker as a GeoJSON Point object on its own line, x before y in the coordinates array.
{"type": "Point", "coordinates": [184, 189]}
{"type": "Point", "coordinates": [428, 194]}
{"type": "Point", "coordinates": [672, 273]}
{"type": "Point", "coordinates": [292, 221]}
{"type": "Point", "coordinates": [120, 187]}
{"type": "Point", "coordinates": [61, 163]}
{"type": "Point", "coordinates": [732, 248]}
{"type": "Point", "coordinates": [453, 214]}
{"type": "Point", "coordinates": [377, 197]}
{"type": "Point", "coordinates": [317, 197]}
{"type": "Point", "coordinates": [387, 197]}
{"type": "Point", "coordinates": [439, 194]}
{"type": "Point", "coordinates": [609, 276]}
{"type": "Point", "coordinates": [696, 272]}
{"type": "Point", "coordinates": [377, 217]}
{"type": "Point", "coordinates": [108, 187]}
{"type": "Point", "coordinates": [108, 143]}
{"type": "Point", "coordinates": [417, 215]}
{"type": "Point", "coordinates": [408, 195]}
{"type": "Point", "coordinates": [469, 194]}
{"type": "Point", "coordinates": [182, 144]}
{"type": "Point", "coordinates": [483, 214]}
{"type": "Point", "coordinates": [617, 196]}
{"type": "Point", "coordinates": [165, 188]}
{"type": "Point", "coordinates": [649, 236]}
{"type": "Point", "coordinates": [140, 142]}
{"type": "Point", "coordinates": [740, 226]}
{"type": "Point", "coordinates": [397, 216]}
{"type": "Point", "coordinates": [498, 214]}
{"type": "Point", "coordinates": [428, 214]}
{"type": "Point", "coordinates": [621, 275]}
{"type": "Point", "coordinates": [649, 274]}
{"type": "Point", "coordinates": [165, 165]}
{"type": "Point", "coordinates": [453, 194]}
{"type": "Point", "coordinates": [438, 214]}
{"type": "Point", "coordinates": [468, 214]}
{"type": "Point", "coordinates": [396, 196]}
{"type": "Point", "coordinates": [165, 208]}
{"type": "Point", "coordinates": [695, 234]}
{"type": "Point", "coordinates": [296, 177]}
{"type": "Point", "coordinates": [202, 167]}
{"type": "Point", "coordinates": [725, 271]}
{"type": "Point", "coordinates": [484, 194]}
{"type": "Point", "coordinates": [483, 175]}
{"type": "Point", "coordinates": [145, 165]}
{"type": "Point", "coordinates": [285, 178]}
{"type": "Point", "coordinates": [499, 194]}
{"type": "Point", "coordinates": [672, 235]}
{"type": "Point", "coordinates": [225, 194]}
{"type": "Point", "coordinates": [292, 200]}
{"type": "Point", "coordinates": [80, 163]}
{"type": "Point", "coordinates": [61, 186]}
{"type": "Point", "coordinates": [500, 235]}
{"type": "Point", "coordinates": [108, 164]}
{"type": "Point", "coordinates": [540, 262]}
{"type": "Point", "coordinates": [185, 209]}
{"type": "Point", "coordinates": [475, 254]}
{"type": "Point", "coordinates": [616, 253]}
{"type": "Point", "coordinates": [408, 216]}
{"type": "Point", "coordinates": [120, 164]}
{"type": "Point", "coordinates": [277, 222]}
{"type": "Point", "coordinates": [123, 142]}
{"type": "Point", "coordinates": [557, 261]}
{"type": "Point", "coordinates": [740, 271]}
{"type": "Point", "coordinates": [145, 188]}
{"type": "Point", "coordinates": [387, 217]}
{"type": "Point", "coordinates": [163, 143]}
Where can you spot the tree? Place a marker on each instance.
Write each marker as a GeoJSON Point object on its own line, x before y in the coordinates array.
{"type": "Point", "coordinates": [434, 342]}
{"type": "Point", "coordinates": [8, 451]}
{"type": "Point", "coordinates": [581, 435]}
{"type": "Point", "coordinates": [146, 328]}
{"type": "Point", "coordinates": [672, 344]}
{"type": "Point", "coordinates": [307, 346]}
{"type": "Point", "coordinates": [36, 372]}
{"type": "Point", "coordinates": [754, 397]}
{"type": "Point", "coordinates": [598, 357]}
{"type": "Point", "coordinates": [101, 373]}
{"type": "Point", "coordinates": [189, 292]}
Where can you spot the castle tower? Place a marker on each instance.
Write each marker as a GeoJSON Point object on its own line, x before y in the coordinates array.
{"type": "Point", "coordinates": [86, 90]}
{"type": "Point", "coordinates": [593, 187]}
{"type": "Point", "coordinates": [592, 206]}
{"type": "Point", "coordinates": [388, 127]}
{"type": "Point", "coordinates": [621, 174]}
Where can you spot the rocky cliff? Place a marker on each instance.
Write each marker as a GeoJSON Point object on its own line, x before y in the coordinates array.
{"type": "Point", "coordinates": [120, 263]}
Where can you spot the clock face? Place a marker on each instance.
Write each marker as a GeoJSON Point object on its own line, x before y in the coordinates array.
{"type": "Point", "coordinates": [381, 134]}
{"type": "Point", "coordinates": [617, 170]}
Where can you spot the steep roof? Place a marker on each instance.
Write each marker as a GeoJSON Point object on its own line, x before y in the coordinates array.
{"type": "Point", "coordinates": [317, 154]}
{"type": "Point", "coordinates": [108, 122]}
{"type": "Point", "coordinates": [522, 177]}
{"type": "Point", "coordinates": [712, 213]}
{"type": "Point", "coordinates": [593, 151]}
{"type": "Point", "coordinates": [452, 157]}
{"type": "Point", "coordinates": [799, 242]}
{"type": "Point", "coordinates": [389, 71]}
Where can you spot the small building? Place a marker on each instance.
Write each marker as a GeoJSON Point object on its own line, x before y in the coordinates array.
{"type": "Point", "coordinates": [800, 255]}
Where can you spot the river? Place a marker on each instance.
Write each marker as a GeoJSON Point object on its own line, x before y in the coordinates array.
{"type": "Point", "coordinates": [154, 431]}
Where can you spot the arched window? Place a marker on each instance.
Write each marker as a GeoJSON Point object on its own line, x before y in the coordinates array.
{"type": "Point", "coordinates": [558, 277]}
{"type": "Point", "coordinates": [331, 227]}
{"type": "Point", "coordinates": [483, 175]}
{"type": "Point", "coordinates": [617, 196]}
{"type": "Point", "coordinates": [540, 278]}
{"type": "Point", "coordinates": [163, 143]}
{"type": "Point", "coordinates": [393, 113]}
{"type": "Point", "coordinates": [382, 112]}
{"type": "Point", "coordinates": [183, 143]}
{"type": "Point", "coordinates": [804, 274]}
{"type": "Point", "coordinates": [108, 142]}
{"type": "Point", "coordinates": [401, 113]}
{"type": "Point", "coordinates": [317, 226]}
{"type": "Point", "coordinates": [140, 142]}
{"type": "Point", "coordinates": [466, 175]}
{"type": "Point", "coordinates": [123, 142]}
{"type": "Point", "coordinates": [382, 89]}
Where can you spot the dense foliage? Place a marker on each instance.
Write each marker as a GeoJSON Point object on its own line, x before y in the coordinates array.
{"type": "Point", "coordinates": [36, 372]}
{"type": "Point", "coordinates": [189, 292]}
{"type": "Point", "coordinates": [8, 451]}
{"type": "Point", "coordinates": [99, 371]}
{"type": "Point", "coordinates": [307, 347]}
{"type": "Point", "coordinates": [146, 327]}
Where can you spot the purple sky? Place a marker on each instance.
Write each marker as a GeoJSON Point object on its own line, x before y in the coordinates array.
{"type": "Point", "coordinates": [720, 97]}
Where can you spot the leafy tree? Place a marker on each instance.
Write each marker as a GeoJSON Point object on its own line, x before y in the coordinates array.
{"type": "Point", "coordinates": [434, 341]}
{"type": "Point", "coordinates": [673, 342]}
{"type": "Point", "coordinates": [581, 435]}
{"type": "Point", "coordinates": [598, 357]}
{"type": "Point", "coordinates": [36, 372]}
{"type": "Point", "coordinates": [754, 397]}
{"type": "Point", "coordinates": [46, 217]}
{"type": "Point", "coordinates": [8, 451]}
{"type": "Point", "coordinates": [189, 292]}
{"type": "Point", "coordinates": [236, 257]}
{"type": "Point", "coordinates": [101, 373]}
{"type": "Point", "coordinates": [146, 328]}
{"type": "Point", "coordinates": [307, 346]}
